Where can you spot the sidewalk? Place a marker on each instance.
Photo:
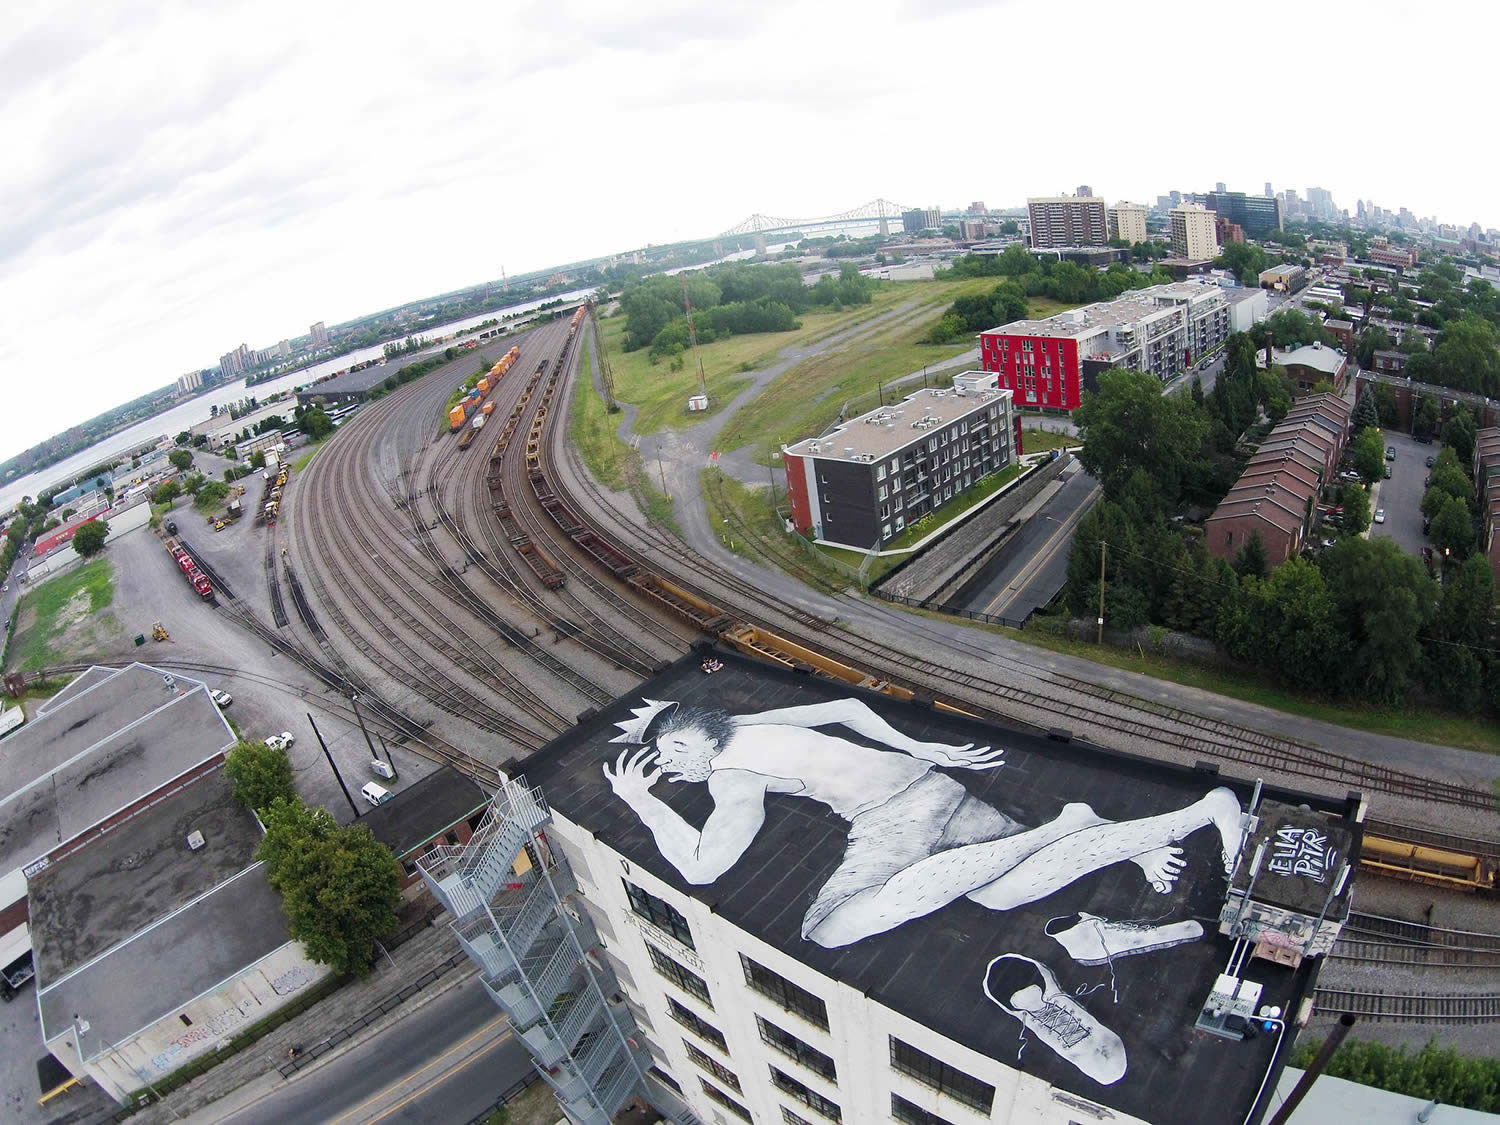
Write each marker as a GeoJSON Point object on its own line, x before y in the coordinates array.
{"type": "Point", "coordinates": [255, 1071]}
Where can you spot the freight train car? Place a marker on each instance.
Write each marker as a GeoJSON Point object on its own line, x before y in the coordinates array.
{"type": "Point", "coordinates": [456, 417]}
{"type": "Point", "coordinates": [196, 578]}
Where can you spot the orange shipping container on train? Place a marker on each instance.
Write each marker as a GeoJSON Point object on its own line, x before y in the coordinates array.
{"type": "Point", "coordinates": [483, 385]}
{"type": "Point", "coordinates": [456, 417]}
{"type": "Point", "coordinates": [489, 408]}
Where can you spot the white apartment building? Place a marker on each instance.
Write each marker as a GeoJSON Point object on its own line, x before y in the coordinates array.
{"type": "Point", "coordinates": [1193, 235]}
{"type": "Point", "coordinates": [840, 925]}
{"type": "Point", "coordinates": [1128, 221]}
{"type": "Point", "coordinates": [1067, 220]}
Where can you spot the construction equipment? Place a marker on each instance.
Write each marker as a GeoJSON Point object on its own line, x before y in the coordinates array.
{"type": "Point", "coordinates": [159, 632]}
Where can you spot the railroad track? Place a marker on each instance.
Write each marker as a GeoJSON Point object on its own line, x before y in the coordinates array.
{"type": "Point", "coordinates": [1040, 704]}
{"type": "Point", "coordinates": [1410, 1008]}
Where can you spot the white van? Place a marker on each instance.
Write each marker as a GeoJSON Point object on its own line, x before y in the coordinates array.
{"type": "Point", "coordinates": [375, 794]}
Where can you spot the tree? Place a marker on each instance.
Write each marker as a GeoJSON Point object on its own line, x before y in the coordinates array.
{"type": "Point", "coordinates": [1365, 415]}
{"type": "Point", "coordinates": [166, 492]}
{"type": "Point", "coordinates": [1371, 340]}
{"type": "Point", "coordinates": [260, 774]}
{"type": "Point", "coordinates": [1367, 451]}
{"type": "Point", "coordinates": [1356, 504]}
{"type": "Point", "coordinates": [1459, 435]}
{"type": "Point", "coordinates": [200, 441]}
{"type": "Point", "coordinates": [181, 459]}
{"type": "Point", "coordinates": [210, 495]}
{"type": "Point", "coordinates": [1383, 600]}
{"type": "Point", "coordinates": [339, 886]}
{"type": "Point", "coordinates": [184, 437]}
{"type": "Point", "coordinates": [1251, 561]}
{"type": "Point", "coordinates": [1452, 530]}
{"type": "Point", "coordinates": [258, 459]}
{"type": "Point", "coordinates": [1010, 226]}
{"type": "Point", "coordinates": [89, 539]}
{"type": "Point", "coordinates": [192, 483]}
{"type": "Point", "coordinates": [1426, 419]}
{"type": "Point", "coordinates": [1127, 424]}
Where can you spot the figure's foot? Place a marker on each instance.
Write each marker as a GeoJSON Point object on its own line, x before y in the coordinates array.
{"type": "Point", "coordinates": [1028, 990]}
{"type": "Point", "coordinates": [1091, 940]}
{"type": "Point", "coordinates": [1161, 867]}
{"type": "Point", "coordinates": [1224, 812]}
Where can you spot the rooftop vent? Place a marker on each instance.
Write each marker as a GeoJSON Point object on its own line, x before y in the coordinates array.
{"type": "Point", "coordinates": [195, 840]}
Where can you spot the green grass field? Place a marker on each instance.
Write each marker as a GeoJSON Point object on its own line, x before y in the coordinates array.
{"type": "Point", "coordinates": [1038, 441]}
{"type": "Point", "coordinates": [591, 429]}
{"type": "Point", "coordinates": [48, 613]}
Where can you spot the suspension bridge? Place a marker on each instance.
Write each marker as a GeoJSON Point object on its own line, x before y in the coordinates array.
{"type": "Point", "coordinates": [877, 212]}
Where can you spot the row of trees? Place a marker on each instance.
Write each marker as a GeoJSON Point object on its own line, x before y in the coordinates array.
{"type": "Point", "coordinates": [1363, 620]}
{"type": "Point", "coordinates": [968, 315]}
{"type": "Point", "coordinates": [1047, 277]}
{"type": "Point", "coordinates": [339, 886]}
{"type": "Point", "coordinates": [1432, 1073]}
{"type": "Point", "coordinates": [729, 299]}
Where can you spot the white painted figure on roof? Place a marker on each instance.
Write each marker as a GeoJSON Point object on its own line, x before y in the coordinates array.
{"type": "Point", "coordinates": [918, 840]}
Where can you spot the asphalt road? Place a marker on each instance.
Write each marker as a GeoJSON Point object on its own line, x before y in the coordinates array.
{"type": "Point", "coordinates": [1029, 570]}
{"type": "Point", "coordinates": [1401, 496]}
{"type": "Point", "coordinates": [447, 1061]}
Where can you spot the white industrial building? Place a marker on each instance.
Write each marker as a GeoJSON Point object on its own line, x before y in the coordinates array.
{"type": "Point", "coordinates": [848, 912]}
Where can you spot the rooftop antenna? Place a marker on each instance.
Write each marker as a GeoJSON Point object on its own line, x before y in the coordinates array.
{"type": "Point", "coordinates": [693, 337]}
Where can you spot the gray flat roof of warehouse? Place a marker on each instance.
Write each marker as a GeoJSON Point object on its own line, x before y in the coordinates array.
{"type": "Point", "coordinates": [934, 968]}
{"type": "Point", "coordinates": [115, 886]}
{"type": "Point", "coordinates": [353, 382]}
{"type": "Point", "coordinates": [96, 750]}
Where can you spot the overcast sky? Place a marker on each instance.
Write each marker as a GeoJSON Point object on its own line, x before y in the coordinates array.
{"type": "Point", "coordinates": [181, 178]}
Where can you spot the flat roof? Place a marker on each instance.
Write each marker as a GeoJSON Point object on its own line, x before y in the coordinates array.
{"type": "Point", "coordinates": [96, 751]}
{"type": "Point", "coordinates": [157, 972]}
{"type": "Point", "coordinates": [933, 968]}
{"type": "Point", "coordinates": [425, 808]}
{"type": "Point", "coordinates": [354, 382]}
{"type": "Point", "coordinates": [878, 433]}
{"type": "Point", "coordinates": [117, 885]}
{"type": "Point", "coordinates": [1128, 308]}
{"type": "Point", "coordinates": [1309, 355]}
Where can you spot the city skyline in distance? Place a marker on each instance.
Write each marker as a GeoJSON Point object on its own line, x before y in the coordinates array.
{"type": "Point", "coordinates": [189, 181]}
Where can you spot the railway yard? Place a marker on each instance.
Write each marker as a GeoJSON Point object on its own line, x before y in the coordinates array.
{"type": "Point", "coordinates": [479, 593]}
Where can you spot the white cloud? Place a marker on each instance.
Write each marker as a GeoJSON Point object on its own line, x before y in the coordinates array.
{"type": "Point", "coordinates": [181, 177]}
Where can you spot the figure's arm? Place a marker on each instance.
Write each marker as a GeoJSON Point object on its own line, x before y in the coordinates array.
{"type": "Point", "coordinates": [858, 717]}
{"type": "Point", "coordinates": [701, 857]}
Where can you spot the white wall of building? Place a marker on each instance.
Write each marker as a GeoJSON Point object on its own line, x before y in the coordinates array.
{"type": "Point", "coordinates": [217, 1015]}
{"type": "Point", "coordinates": [859, 1028]}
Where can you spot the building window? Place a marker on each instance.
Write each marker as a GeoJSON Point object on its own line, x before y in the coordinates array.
{"type": "Point", "coordinates": [451, 837]}
{"type": "Point", "coordinates": [713, 1066]}
{"type": "Point", "coordinates": [885, 531]}
{"type": "Point", "coordinates": [940, 1076]}
{"type": "Point", "coordinates": [409, 867]}
{"type": "Point", "coordinates": [880, 473]}
{"type": "Point", "coordinates": [718, 1095]}
{"type": "Point", "coordinates": [665, 1079]}
{"type": "Point", "coordinates": [697, 1025]}
{"type": "Point", "coordinates": [685, 979]}
{"type": "Point", "coordinates": [660, 913]}
{"type": "Point", "coordinates": [913, 1114]}
{"type": "Point", "coordinates": [810, 1098]}
{"type": "Point", "coordinates": [793, 1048]}
{"type": "Point", "coordinates": [790, 1118]}
{"type": "Point", "coordinates": [792, 997]}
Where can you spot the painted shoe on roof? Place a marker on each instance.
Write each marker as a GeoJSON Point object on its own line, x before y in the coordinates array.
{"type": "Point", "coordinates": [1027, 990]}
{"type": "Point", "coordinates": [1091, 940]}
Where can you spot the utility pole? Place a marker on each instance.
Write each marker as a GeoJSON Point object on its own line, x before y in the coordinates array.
{"type": "Point", "coordinates": [605, 374]}
{"type": "Point", "coordinates": [662, 473]}
{"type": "Point", "coordinates": [354, 699]}
{"type": "Point", "coordinates": [1102, 546]}
{"type": "Point", "coordinates": [693, 337]}
{"type": "Point", "coordinates": [352, 806]}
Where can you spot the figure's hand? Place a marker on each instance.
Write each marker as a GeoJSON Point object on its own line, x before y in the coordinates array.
{"type": "Point", "coordinates": [967, 756]}
{"type": "Point", "coordinates": [632, 778]}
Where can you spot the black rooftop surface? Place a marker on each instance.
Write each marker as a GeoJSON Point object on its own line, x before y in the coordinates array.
{"type": "Point", "coordinates": [116, 885]}
{"type": "Point", "coordinates": [1298, 866]}
{"type": "Point", "coordinates": [422, 810]}
{"type": "Point", "coordinates": [932, 969]}
{"type": "Point", "coordinates": [352, 382]}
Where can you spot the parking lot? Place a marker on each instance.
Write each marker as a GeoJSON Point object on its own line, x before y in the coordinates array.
{"type": "Point", "coordinates": [1401, 496]}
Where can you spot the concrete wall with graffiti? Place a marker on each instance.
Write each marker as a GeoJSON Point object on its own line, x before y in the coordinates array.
{"type": "Point", "coordinates": [215, 1017]}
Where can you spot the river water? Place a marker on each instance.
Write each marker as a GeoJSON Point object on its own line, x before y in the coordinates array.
{"type": "Point", "coordinates": [187, 414]}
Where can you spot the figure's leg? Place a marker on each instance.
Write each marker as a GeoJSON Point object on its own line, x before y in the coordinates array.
{"type": "Point", "coordinates": [1059, 863]}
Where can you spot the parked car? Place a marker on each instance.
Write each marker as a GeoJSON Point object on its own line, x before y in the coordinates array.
{"type": "Point", "coordinates": [1426, 523]}
{"type": "Point", "coordinates": [1430, 461]}
{"type": "Point", "coordinates": [222, 698]}
{"type": "Point", "coordinates": [1424, 439]}
{"type": "Point", "coordinates": [282, 741]}
{"type": "Point", "coordinates": [1390, 453]}
{"type": "Point", "coordinates": [171, 527]}
{"type": "Point", "coordinates": [1380, 515]}
{"type": "Point", "coordinates": [1387, 472]}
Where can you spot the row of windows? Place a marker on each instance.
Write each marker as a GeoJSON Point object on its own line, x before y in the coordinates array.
{"type": "Point", "coordinates": [684, 978]}
{"type": "Point", "coordinates": [946, 1079]}
{"type": "Point", "coordinates": [659, 912]}
{"type": "Point", "coordinates": [718, 1095]}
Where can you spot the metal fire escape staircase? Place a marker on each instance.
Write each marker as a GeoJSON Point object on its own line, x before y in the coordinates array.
{"type": "Point", "coordinates": [506, 889]}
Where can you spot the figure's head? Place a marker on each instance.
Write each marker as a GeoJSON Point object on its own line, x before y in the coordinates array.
{"type": "Point", "coordinates": [689, 740]}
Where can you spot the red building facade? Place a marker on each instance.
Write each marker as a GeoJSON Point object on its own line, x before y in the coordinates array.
{"type": "Point", "coordinates": [1044, 372]}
